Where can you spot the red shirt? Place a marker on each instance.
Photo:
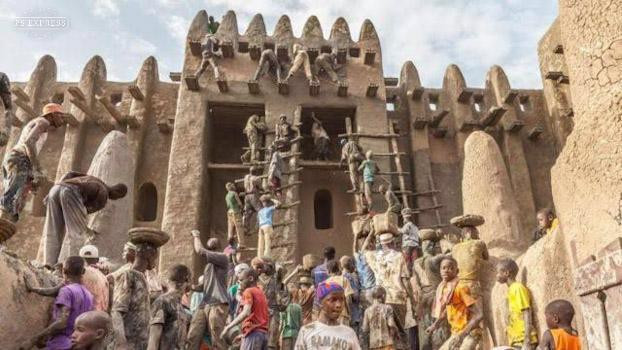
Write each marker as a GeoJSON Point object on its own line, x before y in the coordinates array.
{"type": "Point", "coordinates": [259, 317]}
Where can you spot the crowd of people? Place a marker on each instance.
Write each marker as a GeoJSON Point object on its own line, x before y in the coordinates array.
{"type": "Point", "coordinates": [374, 299]}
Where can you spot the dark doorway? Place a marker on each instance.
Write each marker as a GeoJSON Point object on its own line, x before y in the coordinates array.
{"type": "Point", "coordinates": [147, 206]}
{"type": "Point", "coordinates": [323, 209]}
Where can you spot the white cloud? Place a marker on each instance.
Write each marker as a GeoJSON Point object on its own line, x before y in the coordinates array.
{"type": "Point", "coordinates": [432, 33]}
{"type": "Point", "coordinates": [178, 27]}
{"type": "Point", "coordinates": [106, 8]}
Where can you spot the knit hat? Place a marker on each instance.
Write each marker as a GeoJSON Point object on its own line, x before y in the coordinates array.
{"type": "Point", "coordinates": [325, 288]}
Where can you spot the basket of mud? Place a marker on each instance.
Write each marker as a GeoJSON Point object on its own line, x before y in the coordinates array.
{"type": "Point", "coordinates": [153, 236]}
{"type": "Point", "coordinates": [428, 234]}
{"type": "Point", "coordinates": [310, 261]}
{"type": "Point", "coordinates": [467, 220]}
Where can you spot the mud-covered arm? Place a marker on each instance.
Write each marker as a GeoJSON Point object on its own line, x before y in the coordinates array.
{"type": "Point", "coordinates": [246, 311]}
{"type": "Point", "coordinates": [55, 327]}
{"type": "Point", "coordinates": [198, 246]}
{"type": "Point", "coordinates": [292, 275]}
{"type": "Point", "coordinates": [547, 342]}
{"type": "Point", "coordinates": [477, 314]}
{"type": "Point", "coordinates": [43, 291]}
{"type": "Point", "coordinates": [39, 128]}
{"type": "Point", "coordinates": [528, 324]}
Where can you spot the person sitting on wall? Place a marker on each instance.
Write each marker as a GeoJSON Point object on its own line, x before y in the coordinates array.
{"type": "Point", "coordinates": [301, 59]}
{"type": "Point", "coordinates": [547, 223]}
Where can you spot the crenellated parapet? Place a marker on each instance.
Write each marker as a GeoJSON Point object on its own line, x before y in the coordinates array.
{"type": "Point", "coordinates": [440, 120]}
{"type": "Point", "coordinates": [236, 56]}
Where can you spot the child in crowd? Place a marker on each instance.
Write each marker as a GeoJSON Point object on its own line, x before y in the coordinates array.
{"type": "Point", "coordinates": [348, 270]}
{"type": "Point", "coordinates": [379, 322]}
{"type": "Point", "coordinates": [327, 333]}
{"type": "Point", "coordinates": [254, 315]}
{"type": "Point", "coordinates": [560, 335]}
{"type": "Point", "coordinates": [73, 299]}
{"type": "Point", "coordinates": [335, 276]}
{"type": "Point", "coordinates": [455, 302]}
{"type": "Point", "coordinates": [91, 330]}
{"type": "Point", "coordinates": [169, 321]}
{"type": "Point", "coordinates": [520, 331]}
{"type": "Point", "coordinates": [291, 321]}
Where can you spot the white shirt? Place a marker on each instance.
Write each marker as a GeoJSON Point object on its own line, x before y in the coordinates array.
{"type": "Point", "coordinates": [319, 336]}
{"type": "Point", "coordinates": [410, 235]}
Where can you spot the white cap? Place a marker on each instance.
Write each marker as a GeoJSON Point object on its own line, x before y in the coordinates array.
{"type": "Point", "coordinates": [386, 237]}
{"type": "Point", "coordinates": [241, 267]}
{"type": "Point", "coordinates": [89, 251]}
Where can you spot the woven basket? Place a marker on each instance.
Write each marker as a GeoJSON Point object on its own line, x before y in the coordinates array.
{"type": "Point", "coordinates": [467, 220]}
{"type": "Point", "coordinates": [428, 234]}
{"type": "Point", "coordinates": [149, 235]}
{"type": "Point", "coordinates": [310, 261]}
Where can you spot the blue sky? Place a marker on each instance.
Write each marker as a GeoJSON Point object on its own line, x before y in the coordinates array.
{"type": "Point", "coordinates": [474, 34]}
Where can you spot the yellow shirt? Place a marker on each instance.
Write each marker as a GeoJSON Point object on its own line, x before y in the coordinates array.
{"type": "Point", "coordinates": [469, 255]}
{"type": "Point", "coordinates": [458, 307]}
{"type": "Point", "coordinates": [553, 227]}
{"type": "Point", "coordinates": [518, 300]}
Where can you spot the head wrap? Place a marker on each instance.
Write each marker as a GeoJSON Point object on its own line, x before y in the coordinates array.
{"type": "Point", "coordinates": [130, 246]}
{"type": "Point", "coordinates": [325, 288]}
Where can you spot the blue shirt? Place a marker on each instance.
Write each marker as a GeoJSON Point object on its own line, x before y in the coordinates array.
{"type": "Point", "coordinates": [264, 216]}
{"type": "Point", "coordinates": [320, 274]}
{"type": "Point", "coordinates": [366, 275]}
{"type": "Point", "coordinates": [356, 313]}
{"type": "Point", "coordinates": [369, 170]}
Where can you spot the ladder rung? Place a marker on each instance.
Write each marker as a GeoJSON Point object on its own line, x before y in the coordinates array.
{"type": "Point", "coordinates": [426, 193]}
{"type": "Point", "coordinates": [428, 208]}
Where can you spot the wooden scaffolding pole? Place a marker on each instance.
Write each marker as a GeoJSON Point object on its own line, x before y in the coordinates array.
{"type": "Point", "coordinates": [398, 166]}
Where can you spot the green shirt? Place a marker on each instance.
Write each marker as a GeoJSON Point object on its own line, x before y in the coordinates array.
{"type": "Point", "coordinates": [212, 27]}
{"type": "Point", "coordinates": [291, 321]}
{"type": "Point", "coordinates": [232, 203]}
{"type": "Point", "coordinates": [369, 170]}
